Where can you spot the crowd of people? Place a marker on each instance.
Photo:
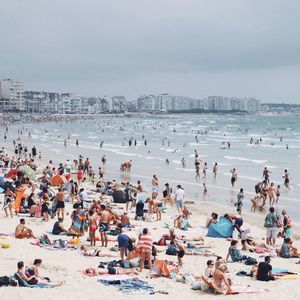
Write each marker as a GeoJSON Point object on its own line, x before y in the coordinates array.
{"type": "Point", "coordinates": [48, 193]}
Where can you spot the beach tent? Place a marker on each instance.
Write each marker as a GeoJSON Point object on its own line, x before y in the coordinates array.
{"type": "Point", "coordinates": [57, 180]}
{"type": "Point", "coordinates": [223, 229]}
{"type": "Point", "coordinates": [119, 197]}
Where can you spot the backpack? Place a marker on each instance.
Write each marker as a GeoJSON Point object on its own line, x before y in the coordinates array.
{"type": "Point", "coordinates": [270, 220]}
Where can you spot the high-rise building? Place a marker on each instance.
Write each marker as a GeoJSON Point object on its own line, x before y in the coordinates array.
{"type": "Point", "coordinates": [11, 95]}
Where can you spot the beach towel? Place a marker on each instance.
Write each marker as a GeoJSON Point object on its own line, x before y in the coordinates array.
{"type": "Point", "coordinates": [160, 268]}
{"type": "Point", "coordinates": [287, 277]}
{"type": "Point", "coordinates": [80, 224]}
{"type": "Point", "coordinates": [114, 277]}
{"type": "Point", "coordinates": [7, 234]}
{"type": "Point", "coordinates": [17, 203]}
{"type": "Point", "coordinates": [131, 286]}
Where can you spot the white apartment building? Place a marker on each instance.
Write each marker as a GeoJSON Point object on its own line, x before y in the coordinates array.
{"type": "Point", "coordinates": [11, 95]}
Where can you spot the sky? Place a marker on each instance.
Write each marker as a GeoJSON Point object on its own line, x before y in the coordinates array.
{"type": "Point", "coordinates": [132, 47]}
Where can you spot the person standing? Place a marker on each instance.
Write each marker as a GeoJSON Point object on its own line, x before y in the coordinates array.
{"type": "Point", "coordinates": [104, 225]}
{"type": "Point", "coordinates": [239, 204]}
{"type": "Point", "coordinates": [154, 183]}
{"type": "Point", "coordinates": [128, 196]}
{"type": "Point", "coordinates": [179, 197]}
{"type": "Point", "coordinates": [271, 226]}
{"type": "Point", "coordinates": [60, 206]}
{"type": "Point", "coordinates": [145, 248]}
{"type": "Point", "coordinates": [233, 176]}
{"type": "Point", "coordinates": [286, 177]}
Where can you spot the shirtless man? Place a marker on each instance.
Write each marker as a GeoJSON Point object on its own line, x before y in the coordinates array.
{"type": "Point", "coordinates": [22, 231]}
{"type": "Point", "coordinates": [125, 222]}
{"type": "Point", "coordinates": [60, 196]}
{"type": "Point", "coordinates": [104, 225]}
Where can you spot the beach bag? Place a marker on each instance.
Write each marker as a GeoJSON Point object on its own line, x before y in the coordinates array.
{"type": "Point", "coordinates": [4, 281]}
{"type": "Point", "coordinates": [250, 261]}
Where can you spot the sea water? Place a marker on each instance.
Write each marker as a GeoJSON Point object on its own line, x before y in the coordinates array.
{"type": "Point", "coordinates": [213, 132]}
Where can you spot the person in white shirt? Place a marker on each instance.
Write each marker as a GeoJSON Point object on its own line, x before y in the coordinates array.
{"type": "Point", "coordinates": [179, 196]}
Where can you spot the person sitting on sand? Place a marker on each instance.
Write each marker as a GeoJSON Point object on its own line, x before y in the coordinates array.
{"type": "Point", "coordinates": [264, 270]}
{"type": "Point", "coordinates": [22, 231]}
{"type": "Point", "coordinates": [221, 280]}
{"type": "Point", "coordinates": [234, 253]}
{"type": "Point", "coordinates": [287, 250]}
{"type": "Point", "coordinates": [34, 271]}
{"type": "Point", "coordinates": [182, 223]}
{"type": "Point", "coordinates": [209, 271]}
{"type": "Point", "coordinates": [213, 219]}
{"type": "Point", "coordinates": [58, 227]}
{"type": "Point", "coordinates": [22, 274]}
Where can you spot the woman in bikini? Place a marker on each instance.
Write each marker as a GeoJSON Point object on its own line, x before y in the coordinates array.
{"type": "Point", "coordinates": [9, 199]}
{"type": "Point", "coordinates": [154, 187]}
{"type": "Point", "coordinates": [272, 193]}
{"type": "Point", "coordinates": [92, 221]}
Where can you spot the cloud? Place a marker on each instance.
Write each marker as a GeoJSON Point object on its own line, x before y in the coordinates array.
{"type": "Point", "coordinates": [129, 47]}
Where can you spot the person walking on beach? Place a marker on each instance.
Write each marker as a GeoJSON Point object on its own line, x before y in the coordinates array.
{"type": "Point", "coordinates": [233, 176]}
{"type": "Point", "coordinates": [183, 163]}
{"type": "Point", "coordinates": [239, 204]}
{"type": "Point", "coordinates": [215, 170]}
{"type": "Point", "coordinates": [103, 160]}
{"type": "Point", "coordinates": [204, 170]}
{"type": "Point", "coordinates": [205, 193]}
{"type": "Point", "coordinates": [286, 177]}
{"type": "Point", "coordinates": [33, 152]}
{"type": "Point", "coordinates": [266, 175]}
{"type": "Point", "coordinates": [272, 193]}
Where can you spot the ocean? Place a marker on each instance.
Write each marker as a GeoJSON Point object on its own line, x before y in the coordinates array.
{"type": "Point", "coordinates": [213, 133]}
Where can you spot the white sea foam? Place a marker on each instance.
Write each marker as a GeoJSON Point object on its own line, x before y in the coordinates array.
{"type": "Point", "coordinates": [256, 161]}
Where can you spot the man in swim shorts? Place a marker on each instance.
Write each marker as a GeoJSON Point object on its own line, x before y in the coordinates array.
{"type": "Point", "coordinates": [104, 225]}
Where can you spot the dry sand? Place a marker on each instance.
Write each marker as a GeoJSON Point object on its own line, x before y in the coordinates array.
{"type": "Point", "coordinates": [65, 266]}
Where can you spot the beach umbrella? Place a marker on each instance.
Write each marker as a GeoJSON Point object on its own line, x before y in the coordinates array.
{"type": "Point", "coordinates": [28, 172]}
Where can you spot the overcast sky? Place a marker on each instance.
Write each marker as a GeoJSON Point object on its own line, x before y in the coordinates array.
{"type": "Point", "coordinates": [132, 47]}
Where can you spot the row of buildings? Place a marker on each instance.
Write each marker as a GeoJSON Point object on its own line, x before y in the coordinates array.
{"type": "Point", "coordinates": [13, 98]}
{"type": "Point", "coordinates": [170, 103]}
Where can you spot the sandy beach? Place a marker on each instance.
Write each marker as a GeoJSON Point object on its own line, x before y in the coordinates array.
{"type": "Point", "coordinates": [65, 267]}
